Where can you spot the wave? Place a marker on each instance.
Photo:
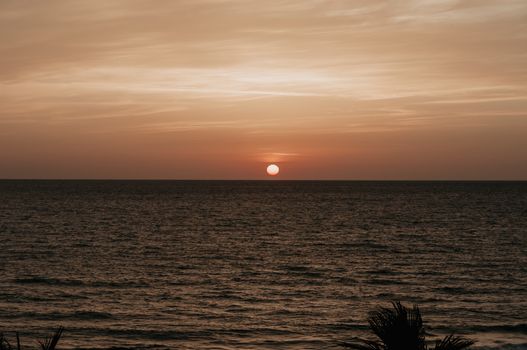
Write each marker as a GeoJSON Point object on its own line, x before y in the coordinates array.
{"type": "Point", "coordinates": [522, 346]}
{"type": "Point", "coordinates": [48, 281]}
{"type": "Point", "coordinates": [40, 280]}
{"type": "Point", "coordinates": [387, 282]}
{"type": "Point", "coordinates": [90, 315]}
{"type": "Point", "coordinates": [520, 328]}
{"type": "Point", "coordinates": [77, 315]}
{"type": "Point", "coordinates": [138, 347]}
{"type": "Point", "coordinates": [515, 328]}
{"type": "Point", "coordinates": [160, 335]}
{"type": "Point", "coordinates": [157, 346]}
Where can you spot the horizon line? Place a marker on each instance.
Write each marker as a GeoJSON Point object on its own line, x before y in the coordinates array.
{"type": "Point", "coordinates": [264, 180]}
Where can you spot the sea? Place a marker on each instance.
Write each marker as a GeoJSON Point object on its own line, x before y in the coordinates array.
{"type": "Point", "coordinates": [259, 264]}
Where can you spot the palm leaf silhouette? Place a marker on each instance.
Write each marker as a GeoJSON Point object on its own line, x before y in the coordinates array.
{"type": "Point", "coordinates": [51, 342]}
{"type": "Point", "coordinates": [453, 342]}
{"type": "Point", "coordinates": [4, 343]}
{"type": "Point", "coordinates": [401, 328]}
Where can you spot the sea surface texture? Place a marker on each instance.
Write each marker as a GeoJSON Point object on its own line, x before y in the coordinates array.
{"type": "Point", "coordinates": [259, 265]}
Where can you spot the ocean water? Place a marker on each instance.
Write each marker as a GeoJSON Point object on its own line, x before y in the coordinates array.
{"type": "Point", "coordinates": [259, 265]}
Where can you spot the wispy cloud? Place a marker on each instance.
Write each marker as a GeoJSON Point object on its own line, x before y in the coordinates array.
{"type": "Point", "coordinates": [294, 70]}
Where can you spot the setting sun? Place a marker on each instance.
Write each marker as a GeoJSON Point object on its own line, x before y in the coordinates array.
{"type": "Point", "coordinates": [273, 170]}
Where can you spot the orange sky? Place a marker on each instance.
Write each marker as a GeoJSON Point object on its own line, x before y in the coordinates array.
{"type": "Point", "coordinates": [216, 89]}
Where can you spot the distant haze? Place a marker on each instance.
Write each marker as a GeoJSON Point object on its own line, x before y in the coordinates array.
{"type": "Point", "coordinates": [218, 89]}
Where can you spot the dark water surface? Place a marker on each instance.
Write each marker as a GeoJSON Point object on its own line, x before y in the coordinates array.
{"type": "Point", "coordinates": [259, 265]}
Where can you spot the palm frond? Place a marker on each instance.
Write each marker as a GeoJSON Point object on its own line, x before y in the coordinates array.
{"type": "Point", "coordinates": [453, 342]}
{"type": "Point", "coordinates": [398, 328]}
{"type": "Point", "coordinates": [402, 328]}
{"type": "Point", "coordinates": [51, 342]}
{"type": "Point", "coordinates": [4, 343]}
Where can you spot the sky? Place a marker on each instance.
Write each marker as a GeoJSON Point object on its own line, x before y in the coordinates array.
{"type": "Point", "coordinates": [218, 89]}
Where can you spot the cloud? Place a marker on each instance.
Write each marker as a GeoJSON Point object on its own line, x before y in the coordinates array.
{"type": "Point", "coordinates": [257, 69]}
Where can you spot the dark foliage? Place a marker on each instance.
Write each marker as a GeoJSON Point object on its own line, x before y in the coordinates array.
{"type": "Point", "coordinates": [401, 328]}
{"type": "Point", "coordinates": [453, 342]}
{"type": "Point", "coordinates": [51, 342]}
{"type": "Point", "coordinates": [48, 344]}
{"type": "Point", "coordinates": [4, 343]}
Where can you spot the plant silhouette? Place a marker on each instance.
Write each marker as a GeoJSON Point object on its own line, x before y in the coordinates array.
{"type": "Point", "coordinates": [49, 343]}
{"type": "Point", "coordinates": [401, 328]}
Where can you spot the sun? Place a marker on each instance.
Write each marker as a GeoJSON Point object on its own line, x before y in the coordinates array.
{"type": "Point", "coordinates": [273, 169]}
